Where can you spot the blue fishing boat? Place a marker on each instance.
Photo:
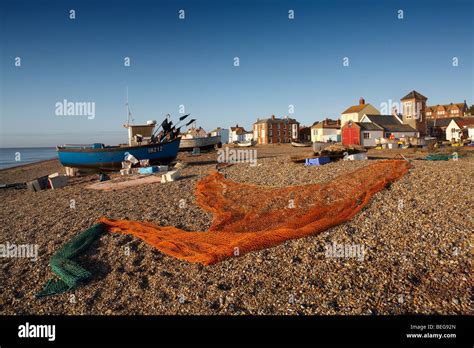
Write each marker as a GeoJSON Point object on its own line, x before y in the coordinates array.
{"type": "Point", "coordinates": [98, 156]}
{"type": "Point", "coordinates": [143, 143]}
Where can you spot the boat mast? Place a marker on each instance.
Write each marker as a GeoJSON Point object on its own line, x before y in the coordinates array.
{"type": "Point", "coordinates": [129, 113]}
{"type": "Point", "coordinates": [129, 121]}
{"type": "Point", "coordinates": [128, 109]}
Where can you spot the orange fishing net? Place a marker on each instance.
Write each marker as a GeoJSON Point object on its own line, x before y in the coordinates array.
{"type": "Point", "coordinates": [249, 217]}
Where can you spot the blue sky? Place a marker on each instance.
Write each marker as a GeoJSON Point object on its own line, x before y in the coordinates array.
{"type": "Point", "coordinates": [191, 61]}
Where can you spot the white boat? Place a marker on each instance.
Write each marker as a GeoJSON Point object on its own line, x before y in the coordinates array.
{"type": "Point", "coordinates": [295, 144]}
{"type": "Point", "coordinates": [246, 144]}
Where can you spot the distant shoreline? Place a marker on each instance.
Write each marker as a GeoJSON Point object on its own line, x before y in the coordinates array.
{"type": "Point", "coordinates": [26, 165]}
{"type": "Point", "coordinates": [26, 147]}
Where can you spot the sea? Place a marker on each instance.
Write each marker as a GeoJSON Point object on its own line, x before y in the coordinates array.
{"type": "Point", "coordinates": [12, 157]}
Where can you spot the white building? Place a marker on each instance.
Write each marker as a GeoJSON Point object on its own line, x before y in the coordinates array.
{"type": "Point", "coordinates": [223, 133]}
{"type": "Point", "coordinates": [239, 134]}
{"type": "Point", "coordinates": [326, 130]}
{"type": "Point", "coordinates": [391, 125]}
{"type": "Point", "coordinates": [460, 129]}
{"type": "Point", "coordinates": [248, 136]}
{"type": "Point", "coordinates": [369, 133]}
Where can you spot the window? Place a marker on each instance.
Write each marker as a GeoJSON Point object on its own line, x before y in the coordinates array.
{"type": "Point", "coordinates": [270, 133]}
{"type": "Point", "coordinates": [278, 126]}
{"type": "Point", "coordinates": [408, 110]}
{"type": "Point", "coordinates": [366, 135]}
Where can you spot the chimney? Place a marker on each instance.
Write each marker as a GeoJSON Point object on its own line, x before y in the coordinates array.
{"type": "Point", "coordinates": [394, 111]}
{"type": "Point", "coordinates": [361, 101]}
{"type": "Point", "coordinates": [273, 117]}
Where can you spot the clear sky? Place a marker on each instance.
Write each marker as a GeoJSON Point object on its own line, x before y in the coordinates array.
{"type": "Point", "coordinates": [191, 61]}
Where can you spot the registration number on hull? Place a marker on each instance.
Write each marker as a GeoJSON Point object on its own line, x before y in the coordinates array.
{"type": "Point", "coordinates": [155, 149]}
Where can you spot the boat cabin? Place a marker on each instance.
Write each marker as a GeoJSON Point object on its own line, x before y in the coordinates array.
{"type": "Point", "coordinates": [140, 134]}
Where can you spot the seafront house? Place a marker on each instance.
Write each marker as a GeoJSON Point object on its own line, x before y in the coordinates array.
{"type": "Point", "coordinates": [372, 127]}
{"type": "Point", "coordinates": [248, 136]}
{"type": "Point", "coordinates": [222, 132]}
{"type": "Point", "coordinates": [460, 129]}
{"type": "Point", "coordinates": [437, 126]}
{"type": "Point", "coordinates": [239, 134]}
{"type": "Point", "coordinates": [358, 133]}
{"type": "Point", "coordinates": [304, 134]}
{"type": "Point", "coordinates": [194, 132]}
{"type": "Point", "coordinates": [447, 111]}
{"type": "Point", "coordinates": [326, 130]}
{"type": "Point", "coordinates": [392, 126]}
{"type": "Point", "coordinates": [276, 130]}
{"type": "Point", "coordinates": [356, 112]}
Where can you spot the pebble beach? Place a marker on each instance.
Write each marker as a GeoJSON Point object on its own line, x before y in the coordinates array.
{"type": "Point", "coordinates": [415, 234]}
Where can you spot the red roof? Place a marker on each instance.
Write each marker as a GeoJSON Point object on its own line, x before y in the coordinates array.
{"type": "Point", "coordinates": [465, 122]}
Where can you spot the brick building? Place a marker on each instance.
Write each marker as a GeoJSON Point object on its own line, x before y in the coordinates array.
{"type": "Point", "coordinates": [276, 130]}
{"type": "Point", "coordinates": [304, 134]}
{"type": "Point", "coordinates": [447, 111]}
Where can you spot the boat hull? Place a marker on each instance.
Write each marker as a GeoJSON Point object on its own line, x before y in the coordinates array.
{"type": "Point", "coordinates": [110, 158]}
{"type": "Point", "coordinates": [246, 144]}
{"type": "Point", "coordinates": [295, 144]}
{"type": "Point", "coordinates": [202, 143]}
